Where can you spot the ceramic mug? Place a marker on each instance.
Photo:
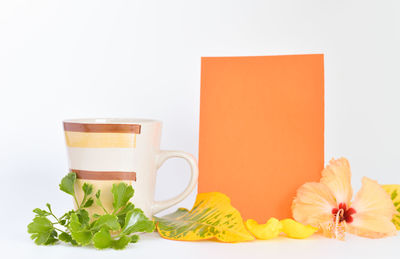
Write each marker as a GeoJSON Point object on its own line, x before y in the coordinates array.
{"type": "Point", "coordinates": [103, 152]}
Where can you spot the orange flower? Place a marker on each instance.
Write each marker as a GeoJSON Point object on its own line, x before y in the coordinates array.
{"type": "Point", "coordinates": [327, 205]}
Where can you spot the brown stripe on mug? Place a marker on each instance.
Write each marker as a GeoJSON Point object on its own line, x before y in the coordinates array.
{"type": "Point", "coordinates": [104, 175]}
{"type": "Point", "coordinates": [102, 128]}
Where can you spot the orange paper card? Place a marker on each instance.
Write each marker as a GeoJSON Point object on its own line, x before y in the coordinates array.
{"type": "Point", "coordinates": [261, 130]}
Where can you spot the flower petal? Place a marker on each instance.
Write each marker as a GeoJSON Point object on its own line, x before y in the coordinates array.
{"type": "Point", "coordinates": [374, 211]}
{"type": "Point", "coordinates": [313, 204]}
{"type": "Point", "coordinates": [266, 231]}
{"type": "Point", "coordinates": [337, 177]}
{"type": "Point", "coordinates": [372, 226]}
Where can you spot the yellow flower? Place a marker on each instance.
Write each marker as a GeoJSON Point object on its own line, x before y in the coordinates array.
{"type": "Point", "coordinates": [327, 205]}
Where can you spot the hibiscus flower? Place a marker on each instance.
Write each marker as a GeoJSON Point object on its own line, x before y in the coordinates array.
{"type": "Point", "coordinates": [327, 205]}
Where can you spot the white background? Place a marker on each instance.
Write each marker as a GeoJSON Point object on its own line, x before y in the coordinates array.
{"type": "Point", "coordinates": [66, 59]}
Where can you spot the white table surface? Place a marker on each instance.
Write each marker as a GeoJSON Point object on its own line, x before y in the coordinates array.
{"type": "Point", "coordinates": [19, 245]}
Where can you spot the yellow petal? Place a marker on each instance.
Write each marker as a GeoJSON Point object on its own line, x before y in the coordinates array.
{"type": "Point", "coordinates": [269, 230]}
{"type": "Point", "coordinates": [295, 229]}
{"type": "Point", "coordinates": [374, 211]}
{"type": "Point", "coordinates": [337, 177]}
{"type": "Point", "coordinates": [313, 204]}
{"type": "Point", "coordinates": [394, 191]}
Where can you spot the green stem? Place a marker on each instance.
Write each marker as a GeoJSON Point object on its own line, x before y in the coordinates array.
{"type": "Point", "coordinates": [104, 209]}
{"type": "Point", "coordinates": [115, 212]}
{"type": "Point", "coordinates": [76, 201]}
{"type": "Point", "coordinates": [83, 201]}
{"type": "Point", "coordinates": [54, 216]}
{"type": "Point", "coordinates": [98, 201]}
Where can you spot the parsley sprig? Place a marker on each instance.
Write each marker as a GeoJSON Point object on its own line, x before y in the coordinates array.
{"type": "Point", "coordinates": [114, 229]}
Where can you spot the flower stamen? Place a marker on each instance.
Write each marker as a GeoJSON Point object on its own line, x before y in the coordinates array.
{"type": "Point", "coordinates": [342, 213]}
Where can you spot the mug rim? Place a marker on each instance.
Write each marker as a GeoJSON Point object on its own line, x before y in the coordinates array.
{"type": "Point", "coordinates": [109, 120]}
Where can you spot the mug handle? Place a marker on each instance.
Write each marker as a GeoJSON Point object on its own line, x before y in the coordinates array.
{"type": "Point", "coordinates": [162, 157]}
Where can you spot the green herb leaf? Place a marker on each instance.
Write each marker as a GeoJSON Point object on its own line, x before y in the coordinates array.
{"type": "Point", "coordinates": [102, 239]}
{"type": "Point", "coordinates": [74, 223]}
{"type": "Point", "coordinates": [48, 206]}
{"type": "Point", "coordinates": [78, 230]}
{"type": "Point", "coordinates": [88, 203]}
{"type": "Point", "coordinates": [52, 238]}
{"type": "Point", "coordinates": [83, 216]}
{"type": "Point", "coordinates": [65, 237]}
{"type": "Point", "coordinates": [129, 206]}
{"type": "Point", "coordinates": [40, 212]}
{"type": "Point", "coordinates": [83, 237]}
{"type": "Point", "coordinates": [98, 202]}
{"type": "Point", "coordinates": [136, 221]}
{"type": "Point", "coordinates": [122, 194]}
{"type": "Point", "coordinates": [108, 222]}
{"type": "Point", "coordinates": [122, 213]}
{"type": "Point", "coordinates": [87, 189]}
{"type": "Point", "coordinates": [41, 228]}
{"type": "Point", "coordinates": [122, 242]}
{"type": "Point", "coordinates": [67, 184]}
{"type": "Point", "coordinates": [67, 215]}
{"type": "Point", "coordinates": [64, 220]}
{"type": "Point", "coordinates": [134, 238]}
{"type": "Point", "coordinates": [98, 194]}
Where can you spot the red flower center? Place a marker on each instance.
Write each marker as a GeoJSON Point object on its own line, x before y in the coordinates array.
{"type": "Point", "coordinates": [343, 213]}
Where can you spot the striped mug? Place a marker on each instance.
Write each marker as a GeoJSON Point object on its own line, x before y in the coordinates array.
{"type": "Point", "coordinates": [103, 152]}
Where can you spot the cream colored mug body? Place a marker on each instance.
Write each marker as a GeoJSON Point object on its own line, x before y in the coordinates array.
{"type": "Point", "coordinates": [103, 152]}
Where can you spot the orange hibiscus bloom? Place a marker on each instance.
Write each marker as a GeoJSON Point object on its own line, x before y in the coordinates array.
{"type": "Point", "coordinates": [327, 205]}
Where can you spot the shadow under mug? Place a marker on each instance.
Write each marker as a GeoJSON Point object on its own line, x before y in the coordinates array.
{"type": "Point", "coordinates": [103, 152]}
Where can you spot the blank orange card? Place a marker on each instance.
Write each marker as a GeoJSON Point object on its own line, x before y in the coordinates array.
{"type": "Point", "coordinates": [261, 130]}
